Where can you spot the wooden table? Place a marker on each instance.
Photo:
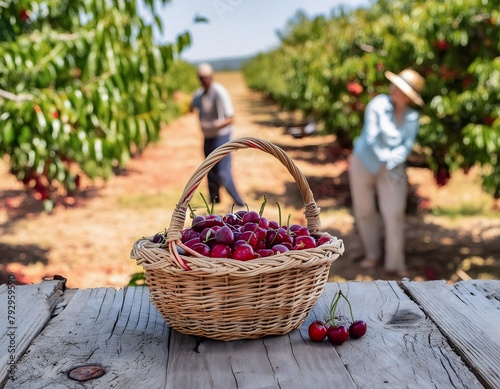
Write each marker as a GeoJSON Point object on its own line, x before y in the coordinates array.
{"type": "Point", "coordinates": [420, 335]}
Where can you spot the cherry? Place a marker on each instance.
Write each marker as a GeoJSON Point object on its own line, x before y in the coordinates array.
{"type": "Point", "coordinates": [265, 252]}
{"type": "Point", "coordinates": [201, 248]}
{"type": "Point", "coordinates": [251, 238]}
{"type": "Point", "coordinates": [191, 242]}
{"type": "Point", "coordinates": [337, 334]}
{"type": "Point", "coordinates": [282, 236]}
{"type": "Point", "coordinates": [224, 235]}
{"type": "Point", "coordinates": [302, 231]}
{"type": "Point", "coordinates": [220, 250]}
{"type": "Point", "coordinates": [241, 213]}
{"type": "Point", "coordinates": [273, 224]}
{"type": "Point", "coordinates": [323, 239]}
{"type": "Point", "coordinates": [231, 219]}
{"type": "Point", "coordinates": [357, 329]}
{"type": "Point", "coordinates": [243, 252]}
{"type": "Point", "coordinates": [213, 220]}
{"type": "Point", "coordinates": [198, 223]}
{"type": "Point", "coordinates": [304, 242]}
{"type": "Point", "coordinates": [279, 248]}
{"type": "Point", "coordinates": [251, 217]}
{"type": "Point", "coordinates": [189, 234]}
{"type": "Point", "coordinates": [264, 223]}
{"type": "Point", "coordinates": [159, 238]}
{"type": "Point", "coordinates": [317, 331]}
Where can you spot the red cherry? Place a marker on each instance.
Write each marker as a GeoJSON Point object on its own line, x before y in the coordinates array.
{"type": "Point", "coordinates": [213, 220]}
{"type": "Point", "coordinates": [442, 45]}
{"type": "Point", "coordinates": [265, 252]}
{"type": "Point", "coordinates": [192, 241]}
{"type": "Point", "coordinates": [232, 219]}
{"type": "Point", "coordinates": [198, 223]}
{"type": "Point", "coordinates": [274, 225]}
{"type": "Point", "coordinates": [489, 121]}
{"type": "Point", "coordinates": [357, 329]}
{"type": "Point", "coordinates": [323, 239]}
{"type": "Point", "coordinates": [279, 248]}
{"type": "Point", "coordinates": [224, 235]}
{"type": "Point", "coordinates": [188, 234]}
{"type": "Point", "coordinates": [264, 223]}
{"type": "Point", "coordinates": [302, 231]}
{"type": "Point", "coordinates": [317, 331]}
{"type": "Point", "coordinates": [220, 250]}
{"type": "Point", "coordinates": [337, 334]}
{"type": "Point", "coordinates": [251, 217]}
{"type": "Point", "coordinates": [243, 252]}
{"type": "Point", "coordinates": [24, 15]}
{"type": "Point", "coordinates": [201, 248]}
{"type": "Point", "coordinates": [304, 242]}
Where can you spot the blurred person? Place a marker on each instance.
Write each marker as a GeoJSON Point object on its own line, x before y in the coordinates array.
{"type": "Point", "coordinates": [216, 115]}
{"type": "Point", "coordinates": [377, 171]}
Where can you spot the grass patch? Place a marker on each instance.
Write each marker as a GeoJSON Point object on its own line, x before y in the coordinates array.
{"type": "Point", "coordinates": [464, 210]}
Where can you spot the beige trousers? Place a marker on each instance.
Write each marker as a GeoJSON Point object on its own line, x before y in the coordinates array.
{"type": "Point", "coordinates": [390, 188]}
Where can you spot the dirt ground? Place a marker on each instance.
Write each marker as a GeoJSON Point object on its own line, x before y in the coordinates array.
{"type": "Point", "coordinates": [88, 239]}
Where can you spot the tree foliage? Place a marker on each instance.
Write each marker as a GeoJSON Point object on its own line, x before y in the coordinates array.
{"type": "Point", "coordinates": [83, 87]}
{"type": "Point", "coordinates": [334, 73]}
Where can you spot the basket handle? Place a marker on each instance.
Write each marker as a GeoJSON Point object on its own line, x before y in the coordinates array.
{"type": "Point", "coordinates": [179, 214]}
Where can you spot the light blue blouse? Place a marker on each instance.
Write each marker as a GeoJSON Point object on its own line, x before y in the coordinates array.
{"type": "Point", "coordinates": [382, 141]}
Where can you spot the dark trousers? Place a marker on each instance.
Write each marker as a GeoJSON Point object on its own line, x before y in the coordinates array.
{"type": "Point", "coordinates": [220, 174]}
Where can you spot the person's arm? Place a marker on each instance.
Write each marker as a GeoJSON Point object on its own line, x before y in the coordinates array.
{"type": "Point", "coordinates": [221, 123]}
{"type": "Point", "coordinates": [400, 153]}
{"type": "Point", "coordinates": [195, 103]}
{"type": "Point", "coordinates": [375, 117]}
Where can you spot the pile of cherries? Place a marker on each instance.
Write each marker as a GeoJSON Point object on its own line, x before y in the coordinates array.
{"type": "Point", "coordinates": [336, 334]}
{"type": "Point", "coordinates": [244, 235]}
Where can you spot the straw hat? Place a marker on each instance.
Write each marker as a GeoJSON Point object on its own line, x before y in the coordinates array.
{"type": "Point", "coordinates": [409, 82]}
{"type": "Point", "coordinates": [205, 70]}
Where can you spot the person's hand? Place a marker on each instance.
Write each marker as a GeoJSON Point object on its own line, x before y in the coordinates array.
{"type": "Point", "coordinates": [208, 125]}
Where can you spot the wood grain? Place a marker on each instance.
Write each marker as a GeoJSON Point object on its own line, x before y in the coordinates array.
{"type": "Point", "coordinates": [116, 329]}
{"type": "Point", "coordinates": [402, 347]}
{"type": "Point", "coordinates": [468, 313]}
{"type": "Point", "coordinates": [33, 309]}
{"type": "Point", "coordinates": [420, 335]}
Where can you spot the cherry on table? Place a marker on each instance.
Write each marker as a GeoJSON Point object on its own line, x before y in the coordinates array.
{"type": "Point", "coordinates": [317, 331]}
{"type": "Point", "coordinates": [337, 334]}
{"type": "Point", "coordinates": [357, 329]}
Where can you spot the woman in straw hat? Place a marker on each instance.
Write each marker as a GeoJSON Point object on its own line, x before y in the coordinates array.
{"type": "Point", "coordinates": [377, 170]}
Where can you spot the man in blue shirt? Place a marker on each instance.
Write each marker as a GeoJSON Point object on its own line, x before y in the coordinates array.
{"type": "Point", "coordinates": [216, 114]}
{"type": "Point", "coordinates": [377, 170]}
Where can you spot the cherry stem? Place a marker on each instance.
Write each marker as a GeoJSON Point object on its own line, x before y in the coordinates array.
{"type": "Point", "coordinates": [348, 303]}
{"type": "Point", "coordinates": [279, 213]}
{"type": "Point", "coordinates": [191, 212]}
{"type": "Point", "coordinates": [209, 210]}
{"type": "Point", "coordinates": [333, 307]}
{"type": "Point", "coordinates": [261, 211]}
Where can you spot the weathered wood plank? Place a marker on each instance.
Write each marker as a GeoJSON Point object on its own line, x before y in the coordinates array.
{"type": "Point", "coordinates": [116, 329]}
{"type": "Point", "coordinates": [289, 361]}
{"type": "Point", "coordinates": [33, 306]}
{"type": "Point", "coordinates": [469, 318]}
{"type": "Point", "coordinates": [402, 347]}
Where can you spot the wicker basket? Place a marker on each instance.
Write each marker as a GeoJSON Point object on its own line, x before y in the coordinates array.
{"type": "Point", "coordinates": [226, 299]}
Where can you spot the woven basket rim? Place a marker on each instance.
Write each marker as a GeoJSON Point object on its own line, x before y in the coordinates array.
{"type": "Point", "coordinates": [161, 258]}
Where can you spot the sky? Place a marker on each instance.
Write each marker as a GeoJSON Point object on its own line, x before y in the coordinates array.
{"type": "Point", "coordinates": [236, 27]}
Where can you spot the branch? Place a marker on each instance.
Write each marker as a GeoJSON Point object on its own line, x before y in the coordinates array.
{"type": "Point", "coordinates": [371, 49]}
{"type": "Point", "coordinates": [17, 98]}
